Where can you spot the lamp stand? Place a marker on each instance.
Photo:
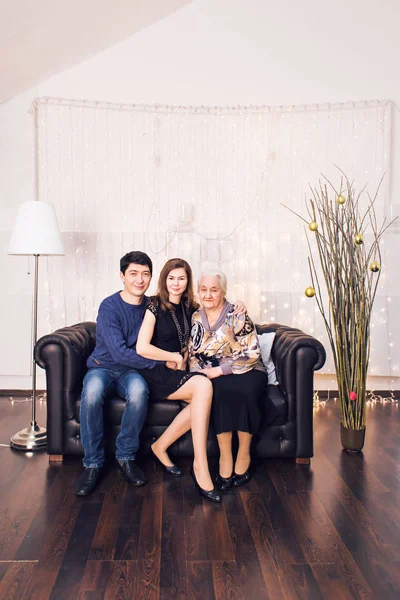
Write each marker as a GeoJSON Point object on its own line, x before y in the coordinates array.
{"type": "Point", "coordinates": [34, 437]}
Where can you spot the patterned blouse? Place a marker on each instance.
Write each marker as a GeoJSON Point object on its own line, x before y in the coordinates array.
{"type": "Point", "coordinates": [231, 343]}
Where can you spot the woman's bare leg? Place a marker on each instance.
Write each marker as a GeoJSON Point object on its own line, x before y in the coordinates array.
{"type": "Point", "coordinates": [198, 392]}
{"type": "Point", "coordinates": [225, 456]}
{"type": "Point", "coordinates": [243, 456]}
{"type": "Point", "coordinates": [179, 426]}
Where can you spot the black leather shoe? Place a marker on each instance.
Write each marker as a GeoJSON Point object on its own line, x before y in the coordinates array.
{"type": "Point", "coordinates": [173, 470]}
{"type": "Point", "coordinates": [211, 495]}
{"type": "Point", "coordinates": [131, 472]}
{"type": "Point", "coordinates": [87, 481]}
{"type": "Point", "coordinates": [239, 480]}
{"type": "Point", "coordinates": [224, 483]}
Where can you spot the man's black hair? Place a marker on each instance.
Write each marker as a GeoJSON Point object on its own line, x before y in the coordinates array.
{"type": "Point", "coordinates": [136, 257]}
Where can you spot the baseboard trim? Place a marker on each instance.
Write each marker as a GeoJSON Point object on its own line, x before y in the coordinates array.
{"type": "Point", "coordinates": [19, 393]}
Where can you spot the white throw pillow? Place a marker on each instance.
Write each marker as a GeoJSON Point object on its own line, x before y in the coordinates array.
{"type": "Point", "coordinates": [266, 340]}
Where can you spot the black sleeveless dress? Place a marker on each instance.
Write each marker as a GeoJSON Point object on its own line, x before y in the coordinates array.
{"type": "Point", "coordinates": [161, 380]}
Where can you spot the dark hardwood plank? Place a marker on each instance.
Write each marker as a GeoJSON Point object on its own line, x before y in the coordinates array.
{"type": "Point", "coordinates": [105, 538]}
{"type": "Point", "coordinates": [195, 532]}
{"type": "Point", "coordinates": [108, 580]}
{"type": "Point", "coordinates": [385, 512]}
{"type": "Point", "coordinates": [18, 508]}
{"type": "Point", "coordinates": [314, 544]}
{"type": "Point", "coordinates": [216, 530]}
{"type": "Point", "coordinates": [331, 583]}
{"type": "Point", "coordinates": [200, 581]}
{"type": "Point", "coordinates": [393, 452]}
{"type": "Point", "coordinates": [43, 521]}
{"type": "Point", "coordinates": [328, 475]}
{"type": "Point", "coordinates": [346, 566]}
{"type": "Point", "coordinates": [12, 466]}
{"type": "Point", "coordinates": [380, 461]}
{"type": "Point", "coordinates": [356, 529]}
{"type": "Point", "coordinates": [226, 581]}
{"type": "Point", "coordinates": [95, 579]}
{"type": "Point", "coordinates": [351, 468]}
{"type": "Point", "coordinates": [147, 583]}
{"type": "Point", "coordinates": [14, 579]}
{"type": "Point", "coordinates": [292, 478]}
{"type": "Point", "coordinates": [129, 527]}
{"type": "Point", "coordinates": [304, 581]}
{"type": "Point", "coordinates": [54, 548]}
{"type": "Point", "coordinates": [74, 561]}
{"type": "Point", "coordinates": [173, 576]}
{"type": "Point", "coordinates": [250, 574]}
{"type": "Point", "coordinates": [282, 524]}
{"type": "Point", "coordinates": [278, 584]}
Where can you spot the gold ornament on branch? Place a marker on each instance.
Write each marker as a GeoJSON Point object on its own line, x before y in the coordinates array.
{"type": "Point", "coordinates": [375, 267]}
{"type": "Point", "coordinates": [340, 199]}
{"type": "Point", "coordinates": [309, 292]}
{"type": "Point", "coordinates": [359, 239]}
{"type": "Point", "coordinates": [313, 226]}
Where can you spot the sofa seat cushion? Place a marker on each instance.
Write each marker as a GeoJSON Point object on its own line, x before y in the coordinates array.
{"type": "Point", "coordinates": [163, 412]}
{"type": "Point", "coordinates": [158, 413]}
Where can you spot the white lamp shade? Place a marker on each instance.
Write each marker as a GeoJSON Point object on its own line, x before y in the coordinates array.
{"type": "Point", "coordinates": [36, 230]}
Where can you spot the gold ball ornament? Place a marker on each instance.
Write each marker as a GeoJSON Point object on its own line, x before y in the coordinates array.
{"type": "Point", "coordinates": [375, 267]}
{"type": "Point", "coordinates": [340, 199]}
{"type": "Point", "coordinates": [313, 226]}
{"type": "Point", "coordinates": [309, 292]}
{"type": "Point", "coordinates": [359, 239]}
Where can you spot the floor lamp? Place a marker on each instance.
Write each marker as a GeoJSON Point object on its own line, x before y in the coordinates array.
{"type": "Point", "coordinates": [35, 232]}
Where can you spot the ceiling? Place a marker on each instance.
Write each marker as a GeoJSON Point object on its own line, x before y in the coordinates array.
{"type": "Point", "coordinates": [41, 38]}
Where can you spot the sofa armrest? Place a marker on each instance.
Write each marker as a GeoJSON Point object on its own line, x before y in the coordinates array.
{"type": "Point", "coordinates": [296, 356]}
{"type": "Point", "coordinates": [63, 354]}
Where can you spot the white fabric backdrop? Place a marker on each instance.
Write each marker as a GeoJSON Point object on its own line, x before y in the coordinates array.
{"type": "Point", "coordinates": [206, 184]}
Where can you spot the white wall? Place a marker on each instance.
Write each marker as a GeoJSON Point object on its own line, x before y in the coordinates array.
{"type": "Point", "coordinates": [211, 52]}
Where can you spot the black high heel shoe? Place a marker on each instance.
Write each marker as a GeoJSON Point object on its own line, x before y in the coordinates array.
{"type": "Point", "coordinates": [211, 495]}
{"type": "Point", "coordinates": [224, 483]}
{"type": "Point", "coordinates": [239, 480]}
{"type": "Point", "coordinates": [173, 470]}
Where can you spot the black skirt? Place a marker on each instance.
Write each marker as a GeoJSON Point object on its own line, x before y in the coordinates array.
{"type": "Point", "coordinates": [236, 402]}
{"type": "Point", "coordinates": [163, 381]}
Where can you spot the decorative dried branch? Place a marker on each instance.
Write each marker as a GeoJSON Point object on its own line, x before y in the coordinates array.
{"type": "Point", "coordinates": [350, 283]}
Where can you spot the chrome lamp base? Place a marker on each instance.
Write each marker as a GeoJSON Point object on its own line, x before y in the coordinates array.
{"type": "Point", "coordinates": [30, 439]}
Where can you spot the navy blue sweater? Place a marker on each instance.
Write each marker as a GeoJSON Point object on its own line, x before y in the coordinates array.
{"type": "Point", "coordinates": [117, 329]}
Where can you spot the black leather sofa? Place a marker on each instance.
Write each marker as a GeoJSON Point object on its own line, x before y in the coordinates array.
{"type": "Point", "coordinates": [287, 429]}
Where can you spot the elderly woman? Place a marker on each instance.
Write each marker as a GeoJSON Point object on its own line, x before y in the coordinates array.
{"type": "Point", "coordinates": [225, 347]}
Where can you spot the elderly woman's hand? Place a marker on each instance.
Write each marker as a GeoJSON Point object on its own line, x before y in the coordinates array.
{"type": "Point", "coordinates": [212, 372]}
{"type": "Point", "coordinates": [240, 308]}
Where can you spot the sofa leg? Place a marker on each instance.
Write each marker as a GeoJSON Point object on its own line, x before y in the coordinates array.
{"type": "Point", "coordinates": [56, 458]}
{"type": "Point", "coordinates": [302, 461]}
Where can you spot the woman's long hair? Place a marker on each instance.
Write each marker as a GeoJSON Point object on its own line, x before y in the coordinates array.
{"type": "Point", "coordinates": [188, 294]}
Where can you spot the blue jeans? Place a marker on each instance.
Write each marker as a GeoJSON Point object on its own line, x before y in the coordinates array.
{"type": "Point", "coordinates": [99, 384]}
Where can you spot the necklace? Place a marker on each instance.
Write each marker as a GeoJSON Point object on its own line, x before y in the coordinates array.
{"type": "Point", "coordinates": [182, 335]}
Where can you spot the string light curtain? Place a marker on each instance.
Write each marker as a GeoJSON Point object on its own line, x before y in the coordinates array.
{"type": "Point", "coordinates": [206, 184]}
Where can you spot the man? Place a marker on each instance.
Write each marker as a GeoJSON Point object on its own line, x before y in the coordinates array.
{"type": "Point", "coordinates": [113, 367]}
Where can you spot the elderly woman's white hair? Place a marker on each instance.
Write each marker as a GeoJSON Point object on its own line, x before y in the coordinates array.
{"type": "Point", "coordinates": [215, 273]}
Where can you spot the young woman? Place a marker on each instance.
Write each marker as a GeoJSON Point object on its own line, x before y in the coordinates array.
{"type": "Point", "coordinates": [164, 336]}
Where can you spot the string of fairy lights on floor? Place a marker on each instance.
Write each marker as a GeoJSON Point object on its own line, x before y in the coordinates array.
{"type": "Point", "coordinates": [372, 398]}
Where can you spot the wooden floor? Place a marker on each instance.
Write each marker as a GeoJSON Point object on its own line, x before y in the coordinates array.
{"type": "Point", "coordinates": [330, 531]}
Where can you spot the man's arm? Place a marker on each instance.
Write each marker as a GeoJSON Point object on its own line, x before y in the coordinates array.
{"type": "Point", "coordinates": [114, 339]}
